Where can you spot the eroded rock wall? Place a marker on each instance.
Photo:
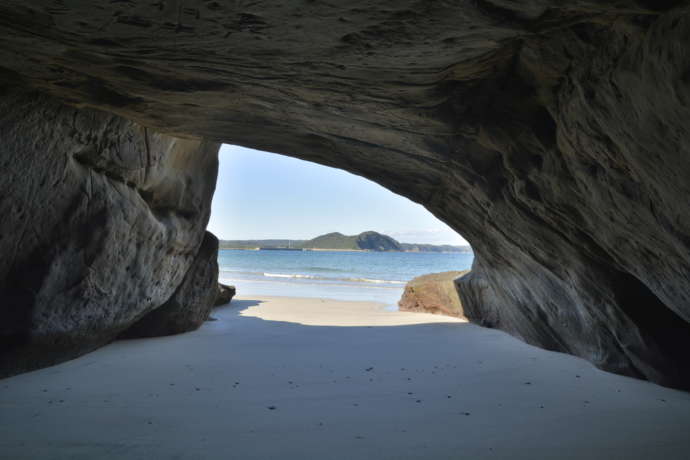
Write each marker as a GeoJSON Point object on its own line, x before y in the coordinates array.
{"type": "Point", "coordinates": [101, 220]}
{"type": "Point", "coordinates": [191, 303]}
{"type": "Point", "coordinates": [553, 135]}
{"type": "Point", "coordinates": [584, 248]}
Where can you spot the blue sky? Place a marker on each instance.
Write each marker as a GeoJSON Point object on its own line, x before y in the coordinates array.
{"type": "Point", "coordinates": [263, 195]}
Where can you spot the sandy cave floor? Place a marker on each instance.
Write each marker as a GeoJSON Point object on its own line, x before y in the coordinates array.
{"type": "Point", "coordinates": [290, 378]}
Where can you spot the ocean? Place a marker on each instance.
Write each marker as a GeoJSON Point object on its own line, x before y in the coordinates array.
{"type": "Point", "coordinates": [340, 275]}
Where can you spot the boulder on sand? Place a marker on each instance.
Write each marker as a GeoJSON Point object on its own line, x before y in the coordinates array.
{"type": "Point", "coordinates": [433, 293]}
{"type": "Point", "coordinates": [225, 294]}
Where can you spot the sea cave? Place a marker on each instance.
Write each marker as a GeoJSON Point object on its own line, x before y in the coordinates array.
{"type": "Point", "coordinates": [552, 135]}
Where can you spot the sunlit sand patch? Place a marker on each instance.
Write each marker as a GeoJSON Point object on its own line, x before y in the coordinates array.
{"type": "Point", "coordinates": [327, 312]}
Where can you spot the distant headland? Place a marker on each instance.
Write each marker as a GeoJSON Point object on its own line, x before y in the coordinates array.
{"type": "Point", "coordinates": [365, 241]}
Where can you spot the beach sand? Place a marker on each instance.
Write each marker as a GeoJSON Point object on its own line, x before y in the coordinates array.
{"type": "Point", "coordinates": [296, 378]}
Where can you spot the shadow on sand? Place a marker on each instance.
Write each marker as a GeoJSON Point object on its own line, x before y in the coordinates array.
{"type": "Point", "coordinates": [243, 387]}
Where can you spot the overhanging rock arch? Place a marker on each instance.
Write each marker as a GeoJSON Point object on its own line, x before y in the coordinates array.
{"type": "Point", "coordinates": [554, 137]}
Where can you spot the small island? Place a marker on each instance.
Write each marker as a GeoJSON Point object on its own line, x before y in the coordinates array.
{"type": "Point", "coordinates": [365, 241]}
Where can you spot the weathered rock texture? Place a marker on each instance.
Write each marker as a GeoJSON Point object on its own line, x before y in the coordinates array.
{"type": "Point", "coordinates": [225, 294]}
{"type": "Point", "coordinates": [553, 135]}
{"type": "Point", "coordinates": [191, 303]}
{"type": "Point", "coordinates": [101, 221]}
{"type": "Point", "coordinates": [433, 293]}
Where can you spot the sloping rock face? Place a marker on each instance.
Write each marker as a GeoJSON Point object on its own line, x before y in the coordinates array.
{"type": "Point", "coordinates": [191, 303]}
{"type": "Point", "coordinates": [101, 221]}
{"type": "Point", "coordinates": [433, 293]}
{"type": "Point", "coordinates": [553, 135]}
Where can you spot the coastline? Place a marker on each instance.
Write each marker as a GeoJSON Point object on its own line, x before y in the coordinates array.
{"type": "Point", "coordinates": [281, 377]}
{"type": "Point", "coordinates": [343, 275]}
{"type": "Point", "coordinates": [340, 250]}
{"type": "Point", "coordinates": [315, 311]}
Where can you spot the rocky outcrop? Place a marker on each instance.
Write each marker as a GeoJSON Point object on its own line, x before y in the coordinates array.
{"type": "Point", "coordinates": [225, 294]}
{"type": "Point", "coordinates": [552, 135]}
{"type": "Point", "coordinates": [433, 293]}
{"type": "Point", "coordinates": [191, 303]}
{"type": "Point", "coordinates": [102, 220]}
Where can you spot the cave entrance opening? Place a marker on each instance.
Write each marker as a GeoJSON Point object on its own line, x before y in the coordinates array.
{"type": "Point", "coordinates": [294, 228]}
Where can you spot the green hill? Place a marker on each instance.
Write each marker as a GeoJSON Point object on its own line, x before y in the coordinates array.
{"type": "Point", "coordinates": [333, 240]}
{"type": "Point", "coordinates": [377, 242]}
{"type": "Point", "coordinates": [370, 241]}
{"type": "Point", "coordinates": [365, 241]}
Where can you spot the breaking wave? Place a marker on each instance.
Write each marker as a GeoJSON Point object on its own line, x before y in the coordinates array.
{"type": "Point", "coordinates": [326, 278]}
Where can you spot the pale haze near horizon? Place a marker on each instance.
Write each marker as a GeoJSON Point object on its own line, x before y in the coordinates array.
{"type": "Point", "coordinates": [262, 195]}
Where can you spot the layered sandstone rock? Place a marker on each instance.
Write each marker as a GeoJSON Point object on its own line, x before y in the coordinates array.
{"type": "Point", "coordinates": [433, 293]}
{"type": "Point", "coordinates": [101, 221]}
{"type": "Point", "coordinates": [553, 135]}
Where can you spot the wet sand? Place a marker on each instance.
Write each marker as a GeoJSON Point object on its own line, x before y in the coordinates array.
{"type": "Point", "coordinates": [294, 378]}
